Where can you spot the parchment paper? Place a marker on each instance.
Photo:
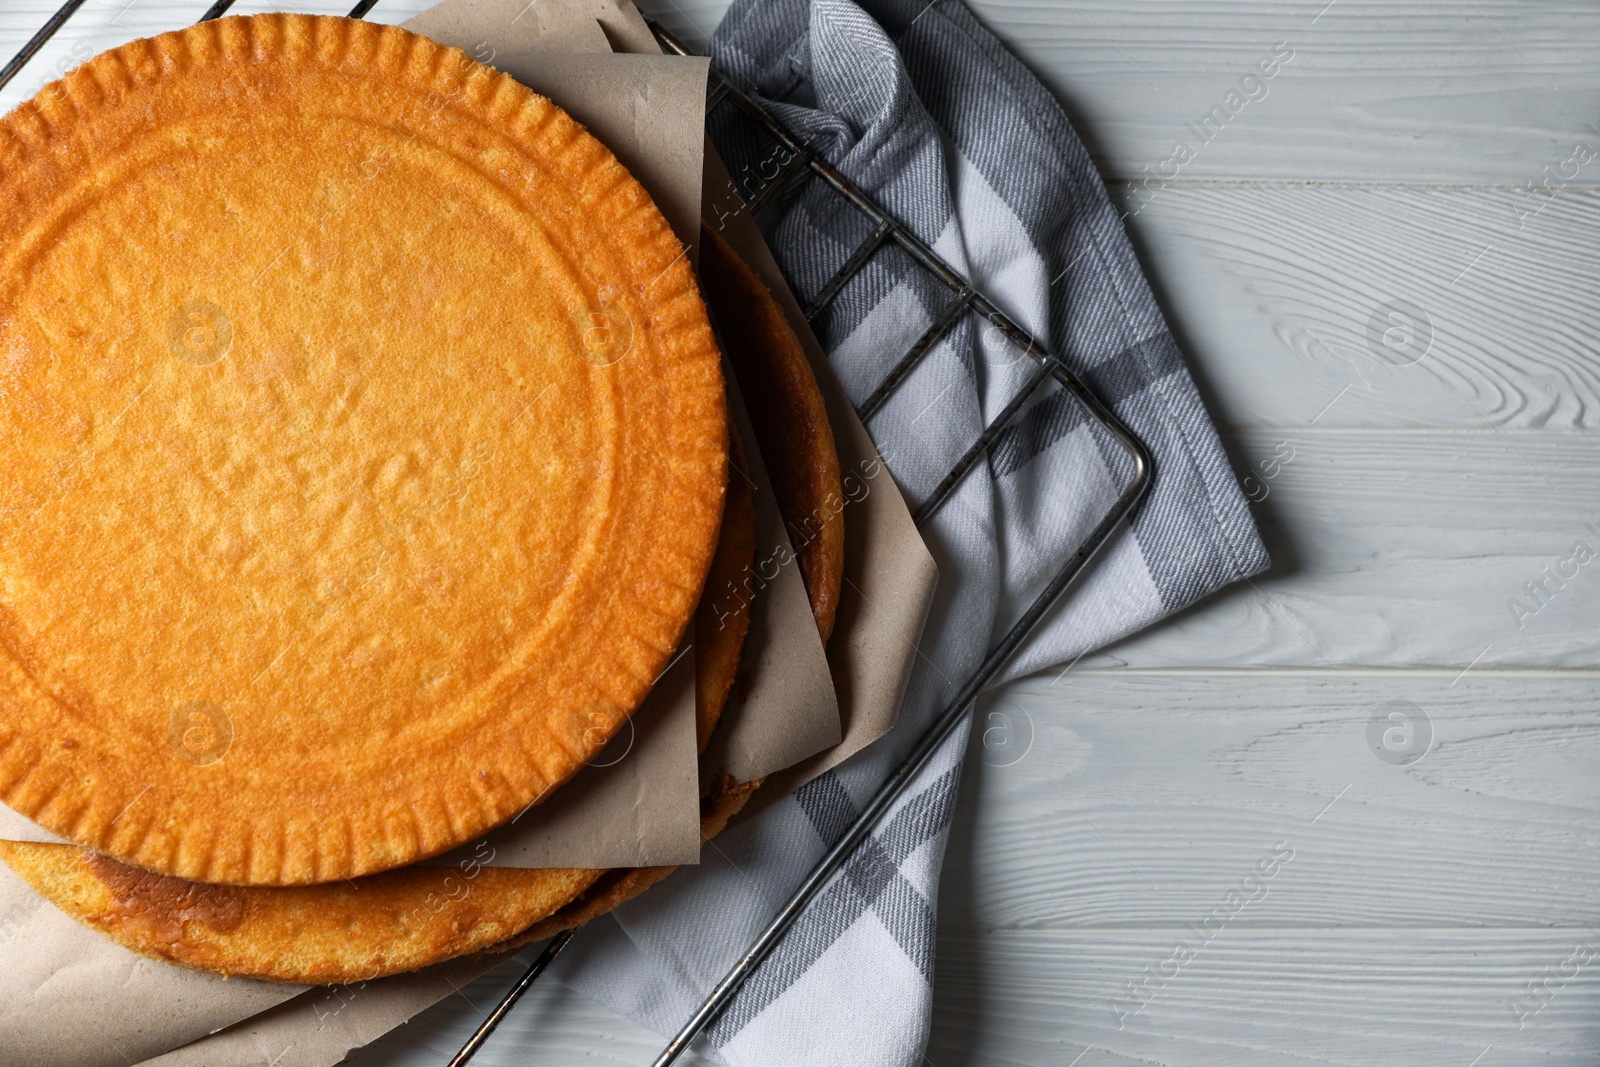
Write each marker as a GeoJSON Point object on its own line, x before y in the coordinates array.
{"type": "Point", "coordinates": [782, 708]}
{"type": "Point", "coordinates": [484, 30]}
{"type": "Point", "coordinates": [638, 801]}
{"type": "Point", "coordinates": [889, 574]}
{"type": "Point", "coordinates": [71, 998]}
{"type": "Point", "coordinates": [320, 1026]}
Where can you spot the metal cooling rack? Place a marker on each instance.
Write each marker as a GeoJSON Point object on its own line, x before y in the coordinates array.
{"type": "Point", "coordinates": [886, 230]}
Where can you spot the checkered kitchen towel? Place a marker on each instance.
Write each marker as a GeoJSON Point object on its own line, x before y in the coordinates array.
{"type": "Point", "coordinates": [927, 111]}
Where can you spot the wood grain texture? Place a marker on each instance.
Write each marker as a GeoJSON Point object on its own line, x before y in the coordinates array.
{"type": "Point", "coordinates": [1401, 549]}
{"type": "Point", "coordinates": [1418, 998]}
{"type": "Point", "coordinates": [1425, 906]}
{"type": "Point", "coordinates": [1435, 92]}
{"type": "Point", "coordinates": [1275, 291]}
{"type": "Point", "coordinates": [1129, 799]}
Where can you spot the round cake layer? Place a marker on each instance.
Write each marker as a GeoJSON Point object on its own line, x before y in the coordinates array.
{"type": "Point", "coordinates": [362, 454]}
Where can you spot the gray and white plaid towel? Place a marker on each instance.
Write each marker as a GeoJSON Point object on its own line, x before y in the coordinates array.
{"type": "Point", "coordinates": [927, 111]}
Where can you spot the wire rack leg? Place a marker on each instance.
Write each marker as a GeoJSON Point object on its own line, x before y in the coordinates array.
{"type": "Point", "coordinates": [509, 1001]}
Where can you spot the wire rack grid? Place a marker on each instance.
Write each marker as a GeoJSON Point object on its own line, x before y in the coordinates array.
{"type": "Point", "coordinates": [885, 231]}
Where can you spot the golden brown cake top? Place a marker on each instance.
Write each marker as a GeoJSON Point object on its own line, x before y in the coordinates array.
{"type": "Point", "coordinates": [361, 454]}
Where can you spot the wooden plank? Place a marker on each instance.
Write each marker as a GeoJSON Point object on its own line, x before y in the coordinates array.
{"type": "Point", "coordinates": [1423, 998]}
{"type": "Point", "coordinates": [1375, 91]}
{"type": "Point", "coordinates": [1127, 799]}
{"type": "Point", "coordinates": [1402, 549]}
{"type": "Point", "coordinates": [1292, 303]}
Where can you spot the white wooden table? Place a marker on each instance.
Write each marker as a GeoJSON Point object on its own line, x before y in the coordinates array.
{"type": "Point", "coordinates": [1438, 912]}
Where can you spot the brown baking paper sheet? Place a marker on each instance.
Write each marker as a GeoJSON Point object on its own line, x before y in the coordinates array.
{"type": "Point", "coordinates": [71, 998]}
{"type": "Point", "coordinates": [782, 708]}
{"type": "Point", "coordinates": [319, 1027]}
{"type": "Point", "coordinates": [889, 574]}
